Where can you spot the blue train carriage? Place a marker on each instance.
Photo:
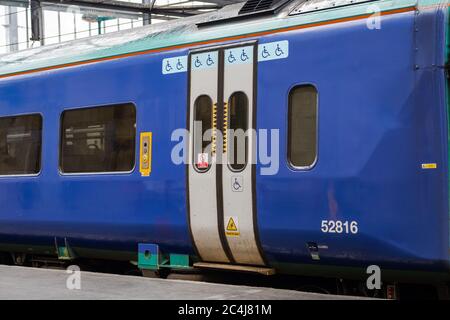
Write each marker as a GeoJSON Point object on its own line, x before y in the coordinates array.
{"type": "Point", "coordinates": [346, 165]}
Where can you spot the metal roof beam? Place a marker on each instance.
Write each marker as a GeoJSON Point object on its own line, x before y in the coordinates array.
{"type": "Point", "coordinates": [184, 11]}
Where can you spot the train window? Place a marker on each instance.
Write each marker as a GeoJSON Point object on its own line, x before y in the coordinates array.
{"type": "Point", "coordinates": [203, 116]}
{"type": "Point", "coordinates": [302, 131]}
{"type": "Point", "coordinates": [20, 145]}
{"type": "Point", "coordinates": [238, 125]}
{"type": "Point", "coordinates": [100, 139]}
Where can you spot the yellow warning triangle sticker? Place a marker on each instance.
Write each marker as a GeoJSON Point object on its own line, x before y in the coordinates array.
{"type": "Point", "coordinates": [231, 226]}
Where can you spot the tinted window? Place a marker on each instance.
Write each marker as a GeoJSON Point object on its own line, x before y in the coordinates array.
{"type": "Point", "coordinates": [20, 145]}
{"type": "Point", "coordinates": [238, 125]}
{"type": "Point", "coordinates": [98, 139]}
{"type": "Point", "coordinates": [203, 111]}
{"type": "Point", "coordinates": [303, 126]}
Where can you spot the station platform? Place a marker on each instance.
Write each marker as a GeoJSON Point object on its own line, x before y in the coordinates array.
{"type": "Point", "coordinates": [49, 284]}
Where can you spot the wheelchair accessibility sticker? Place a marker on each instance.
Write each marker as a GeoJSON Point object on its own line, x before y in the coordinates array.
{"type": "Point", "coordinates": [174, 65]}
{"type": "Point", "coordinates": [204, 60]}
{"type": "Point", "coordinates": [237, 184]}
{"type": "Point", "coordinates": [273, 51]}
{"type": "Point", "coordinates": [239, 55]}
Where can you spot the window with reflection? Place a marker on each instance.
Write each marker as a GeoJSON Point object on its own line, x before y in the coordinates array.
{"type": "Point", "coordinates": [302, 136]}
{"type": "Point", "coordinates": [238, 125]}
{"type": "Point", "coordinates": [203, 120]}
{"type": "Point", "coordinates": [100, 139]}
{"type": "Point", "coordinates": [20, 145]}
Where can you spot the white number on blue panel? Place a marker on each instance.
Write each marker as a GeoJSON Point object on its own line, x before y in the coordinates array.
{"type": "Point", "coordinates": [337, 226]}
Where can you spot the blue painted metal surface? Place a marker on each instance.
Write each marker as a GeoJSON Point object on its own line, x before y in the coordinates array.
{"type": "Point", "coordinates": [382, 113]}
{"type": "Point", "coordinates": [379, 120]}
{"type": "Point", "coordinates": [109, 211]}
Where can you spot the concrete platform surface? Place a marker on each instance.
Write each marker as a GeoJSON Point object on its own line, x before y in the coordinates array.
{"type": "Point", "coordinates": [43, 284]}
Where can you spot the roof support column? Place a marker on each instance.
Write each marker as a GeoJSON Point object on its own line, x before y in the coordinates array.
{"type": "Point", "coordinates": [12, 33]}
{"type": "Point", "coordinates": [37, 21]}
{"type": "Point", "coordinates": [147, 17]}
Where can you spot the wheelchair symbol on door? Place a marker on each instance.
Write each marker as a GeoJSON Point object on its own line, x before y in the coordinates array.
{"type": "Point", "coordinates": [197, 63]}
{"type": "Point", "coordinates": [237, 184]}
{"type": "Point", "coordinates": [209, 61]}
{"type": "Point", "coordinates": [231, 58]}
{"type": "Point", "coordinates": [244, 56]}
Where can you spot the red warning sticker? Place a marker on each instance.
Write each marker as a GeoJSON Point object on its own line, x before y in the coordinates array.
{"type": "Point", "coordinates": [202, 161]}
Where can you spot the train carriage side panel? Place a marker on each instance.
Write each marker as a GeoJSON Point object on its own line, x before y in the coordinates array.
{"type": "Point", "coordinates": [380, 119]}
{"type": "Point", "coordinates": [112, 212]}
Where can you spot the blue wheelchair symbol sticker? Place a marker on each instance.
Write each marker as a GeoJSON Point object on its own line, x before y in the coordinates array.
{"type": "Point", "coordinates": [179, 65]}
{"type": "Point", "coordinates": [209, 61]}
{"type": "Point", "coordinates": [198, 63]}
{"type": "Point", "coordinates": [240, 55]}
{"type": "Point", "coordinates": [204, 60]}
{"type": "Point", "coordinates": [231, 57]}
{"type": "Point", "coordinates": [168, 66]}
{"type": "Point", "coordinates": [174, 65]}
{"type": "Point", "coordinates": [265, 54]}
{"type": "Point", "coordinates": [273, 51]}
{"type": "Point", "coordinates": [279, 52]}
{"type": "Point", "coordinates": [244, 56]}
